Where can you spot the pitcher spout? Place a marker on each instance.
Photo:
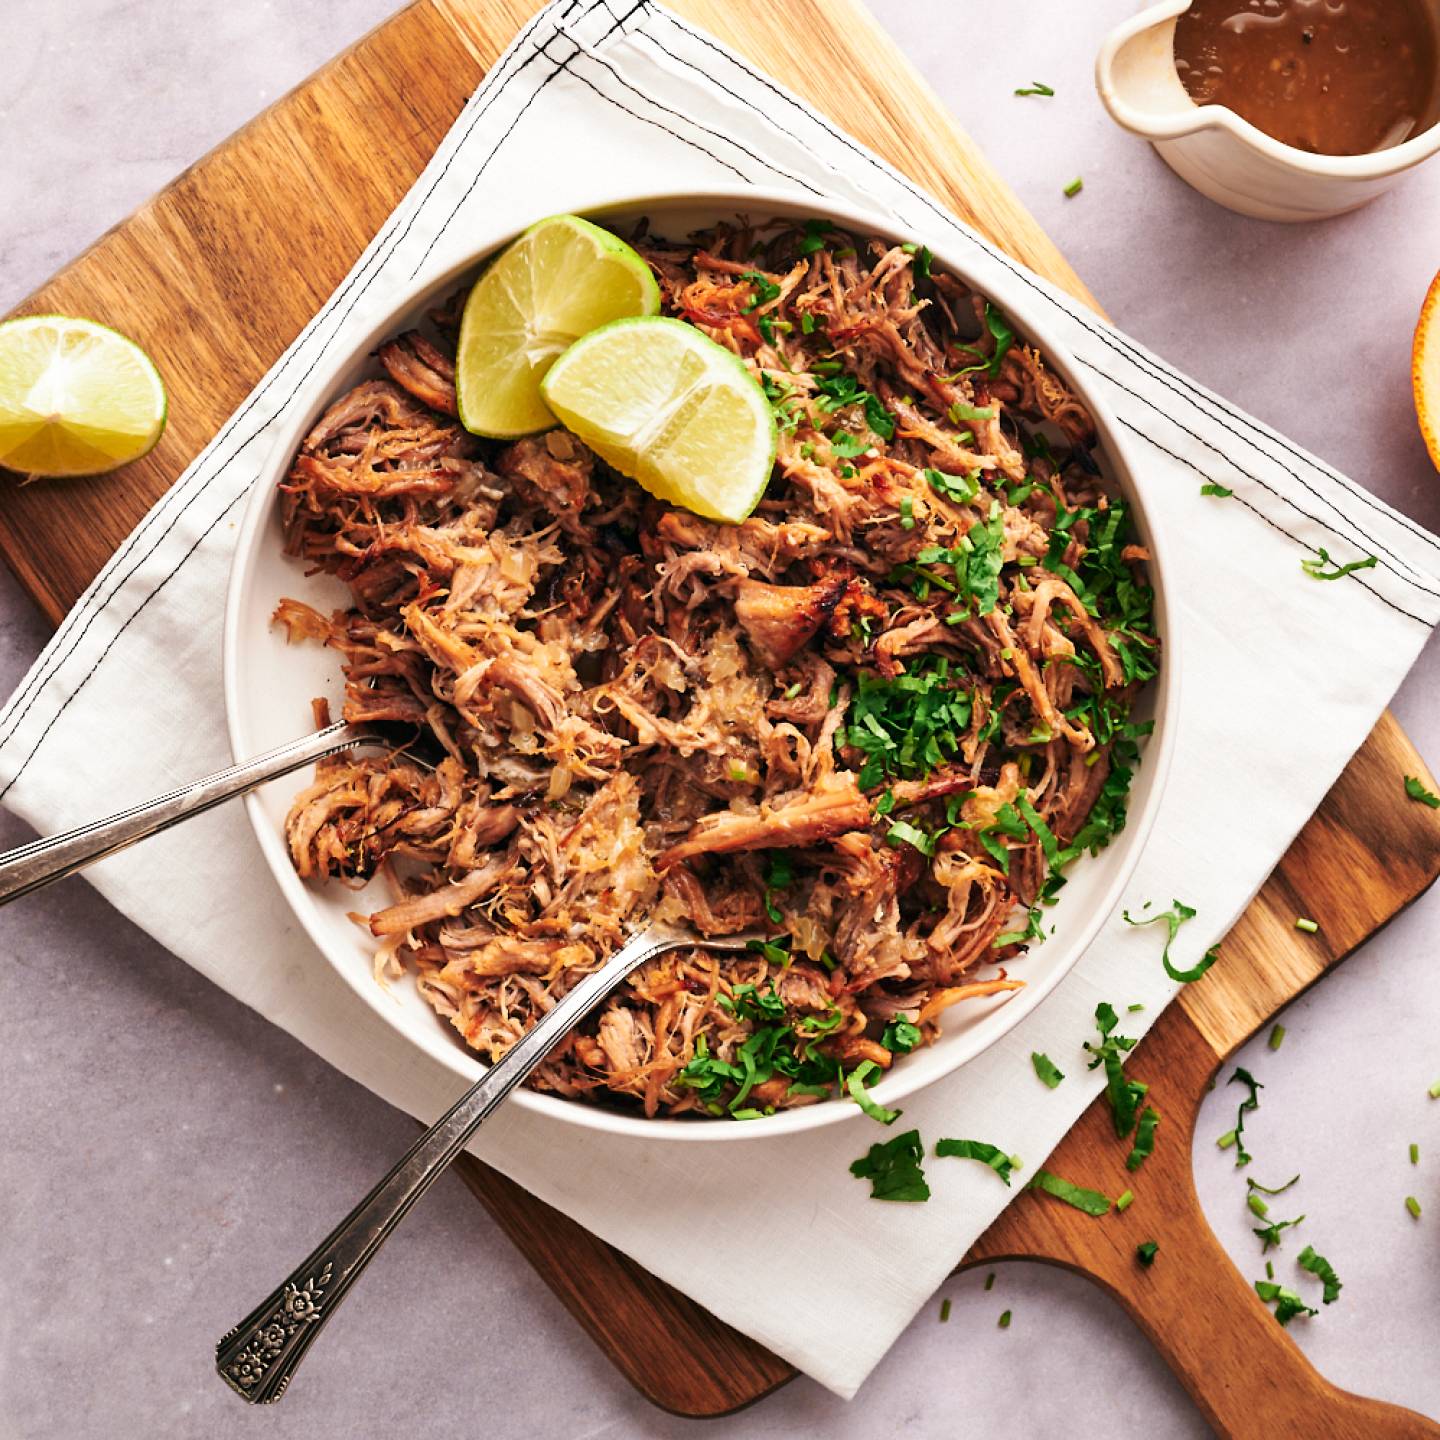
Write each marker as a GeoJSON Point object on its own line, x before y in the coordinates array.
{"type": "Point", "coordinates": [1137, 80]}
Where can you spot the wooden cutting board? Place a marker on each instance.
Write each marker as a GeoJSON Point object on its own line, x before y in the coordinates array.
{"type": "Point", "coordinates": [205, 277]}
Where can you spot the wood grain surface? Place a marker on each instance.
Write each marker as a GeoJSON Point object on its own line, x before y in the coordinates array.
{"type": "Point", "coordinates": [206, 277]}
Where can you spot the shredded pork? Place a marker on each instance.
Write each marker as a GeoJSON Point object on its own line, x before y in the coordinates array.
{"type": "Point", "coordinates": [876, 719]}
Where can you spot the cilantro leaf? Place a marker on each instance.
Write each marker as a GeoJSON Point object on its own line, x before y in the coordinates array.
{"type": "Point", "coordinates": [1144, 1138]}
{"type": "Point", "coordinates": [894, 1170]}
{"type": "Point", "coordinates": [855, 1086]}
{"type": "Point", "coordinates": [814, 237]}
{"type": "Point", "coordinates": [1145, 1252]}
{"type": "Point", "coordinates": [1236, 1137]}
{"type": "Point", "coordinates": [1212, 489]}
{"type": "Point", "coordinates": [909, 725]}
{"type": "Point", "coordinates": [1315, 569]}
{"type": "Point", "coordinates": [765, 290]}
{"type": "Point", "coordinates": [1266, 1190]}
{"type": "Point", "coordinates": [1036, 88]}
{"type": "Point", "coordinates": [1124, 1095]}
{"type": "Point", "coordinates": [991, 1155]}
{"type": "Point", "coordinates": [1319, 1266]}
{"type": "Point", "coordinates": [1270, 1234]}
{"type": "Point", "coordinates": [1174, 918]}
{"type": "Point", "coordinates": [1416, 791]}
{"type": "Point", "coordinates": [901, 1037]}
{"type": "Point", "coordinates": [1092, 1202]}
{"type": "Point", "coordinates": [1290, 1304]}
{"type": "Point", "coordinates": [1004, 338]}
{"type": "Point", "coordinates": [1046, 1069]}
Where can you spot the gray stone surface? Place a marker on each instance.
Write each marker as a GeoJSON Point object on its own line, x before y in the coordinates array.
{"type": "Point", "coordinates": [166, 1152]}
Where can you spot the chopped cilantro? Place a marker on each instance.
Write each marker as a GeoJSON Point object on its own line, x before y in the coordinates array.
{"type": "Point", "coordinates": [990, 1281]}
{"type": "Point", "coordinates": [901, 1037]}
{"type": "Point", "coordinates": [1004, 338]}
{"type": "Point", "coordinates": [902, 832]}
{"type": "Point", "coordinates": [1236, 1137]}
{"type": "Point", "coordinates": [837, 391]}
{"type": "Point", "coordinates": [1035, 88]}
{"type": "Point", "coordinates": [1145, 1252]}
{"type": "Point", "coordinates": [1289, 1303]}
{"type": "Point", "coordinates": [1092, 1202]}
{"type": "Point", "coordinates": [909, 725]}
{"type": "Point", "coordinates": [1213, 489]}
{"type": "Point", "coordinates": [1320, 1267]}
{"type": "Point", "coordinates": [960, 411]}
{"type": "Point", "coordinates": [1270, 1234]}
{"type": "Point", "coordinates": [961, 488]}
{"type": "Point", "coordinates": [845, 445]}
{"type": "Point", "coordinates": [1315, 569]}
{"type": "Point", "coordinates": [893, 1169]}
{"type": "Point", "coordinates": [765, 290]}
{"type": "Point", "coordinates": [1144, 1138]}
{"type": "Point", "coordinates": [1266, 1190]}
{"type": "Point", "coordinates": [1124, 1095]}
{"type": "Point", "coordinates": [855, 1086]}
{"type": "Point", "coordinates": [1174, 918]}
{"type": "Point", "coordinates": [1046, 1069]}
{"type": "Point", "coordinates": [987, 1154]}
{"type": "Point", "coordinates": [922, 262]}
{"type": "Point", "coordinates": [1416, 791]}
{"type": "Point", "coordinates": [814, 237]}
{"type": "Point", "coordinates": [976, 560]}
{"type": "Point", "coordinates": [1004, 1321]}
{"type": "Point", "coordinates": [779, 875]}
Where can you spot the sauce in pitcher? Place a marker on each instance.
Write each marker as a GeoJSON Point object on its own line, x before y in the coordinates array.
{"type": "Point", "coordinates": [1335, 77]}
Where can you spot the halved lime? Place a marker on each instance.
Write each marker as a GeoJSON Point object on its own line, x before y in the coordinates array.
{"type": "Point", "coordinates": [561, 278]}
{"type": "Point", "coordinates": [76, 397]}
{"type": "Point", "coordinates": [669, 407]}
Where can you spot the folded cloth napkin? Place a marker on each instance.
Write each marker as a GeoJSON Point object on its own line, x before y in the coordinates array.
{"type": "Point", "coordinates": [618, 103]}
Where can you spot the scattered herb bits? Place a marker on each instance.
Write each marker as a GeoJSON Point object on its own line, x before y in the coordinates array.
{"type": "Point", "coordinates": [1287, 1303]}
{"type": "Point", "coordinates": [1435, 1091]}
{"type": "Point", "coordinates": [1236, 1137]}
{"type": "Point", "coordinates": [1145, 1252]}
{"type": "Point", "coordinates": [1144, 1138]}
{"type": "Point", "coordinates": [1416, 791]}
{"type": "Point", "coordinates": [1316, 569]}
{"type": "Point", "coordinates": [1277, 1033]}
{"type": "Point", "coordinates": [1414, 1154]}
{"type": "Point", "coordinates": [1046, 1069]}
{"type": "Point", "coordinates": [1413, 1206]}
{"type": "Point", "coordinates": [944, 1311]}
{"type": "Point", "coordinates": [1310, 927]}
{"type": "Point", "coordinates": [1092, 1202]}
{"type": "Point", "coordinates": [1123, 1203]}
{"type": "Point", "coordinates": [1004, 1320]}
{"type": "Point", "coordinates": [894, 1169]}
{"type": "Point", "coordinates": [991, 1155]}
{"type": "Point", "coordinates": [1035, 87]}
{"type": "Point", "coordinates": [1074, 187]}
{"type": "Point", "coordinates": [990, 1281]}
{"type": "Point", "coordinates": [1210, 488]}
{"type": "Point", "coordinates": [1174, 918]}
{"type": "Point", "coordinates": [1322, 1269]}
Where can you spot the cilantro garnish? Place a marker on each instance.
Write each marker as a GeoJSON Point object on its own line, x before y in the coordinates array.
{"type": "Point", "coordinates": [976, 560]}
{"type": "Point", "coordinates": [765, 290]}
{"type": "Point", "coordinates": [1046, 1069]}
{"type": "Point", "coordinates": [1124, 1095]}
{"type": "Point", "coordinates": [901, 1037]}
{"type": "Point", "coordinates": [839, 390]}
{"type": "Point", "coordinates": [1213, 489]}
{"type": "Point", "coordinates": [992, 1155]}
{"type": "Point", "coordinates": [990, 1281]}
{"type": "Point", "coordinates": [1144, 1138]}
{"type": "Point", "coordinates": [855, 1086]}
{"type": "Point", "coordinates": [960, 488]}
{"type": "Point", "coordinates": [1174, 918]}
{"type": "Point", "coordinates": [814, 237]}
{"type": "Point", "coordinates": [1145, 1252]}
{"type": "Point", "coordinates": [922, 262]}
{"type": "Point", "coordinates": [1266, 1190]}
{"type": "Point", "coordinates": [1290, 1304]}
{"type": "Point", "coordinates": [902, 832]}
{"type": "Point", "coordinates": [1315, 569]}
{"type": "Point", "coordinates": [1004, 1321]}
{"type": "Point", "coordinates": [893, 1169]}
{"type": "Point", "coordinates": [1036, 88]}
{"type": "Point", "coordinates": [960, 411]}
{"type": "Point", "coordinates": [1320, 1267]}
{"type": "Point", "coordinates": [845, 445]}
{"type": "Point", "coordinates": [1092, 1202]}
{"type": "Point", "coordinates": [1004, 338]}
{"type": "Point", "coordinates": [779, 875]}
{"type": "Point", "coordinates": [909, 725]}
{"type": "Point", "coordinates": [1236, 1136]}
{"type": "Point", "coordinates": [1416, 791]}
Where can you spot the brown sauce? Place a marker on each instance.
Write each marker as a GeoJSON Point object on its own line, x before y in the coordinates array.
{"type": "Point", "coordinates": [1335, 77]}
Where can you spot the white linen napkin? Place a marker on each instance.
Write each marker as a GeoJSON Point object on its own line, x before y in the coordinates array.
{"type": "Point", "coordinates": [126, 699]}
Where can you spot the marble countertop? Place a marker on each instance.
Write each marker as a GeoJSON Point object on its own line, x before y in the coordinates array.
{"type": "Point", "coordinates": [139, 1165]}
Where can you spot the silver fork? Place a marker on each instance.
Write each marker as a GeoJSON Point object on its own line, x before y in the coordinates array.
{"type": "Point", "coordinates": [258, 1357]}
{"type": "Point", "coordinates": [42, 862]}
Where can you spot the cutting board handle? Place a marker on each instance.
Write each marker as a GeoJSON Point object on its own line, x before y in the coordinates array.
{"type": "Point", "coordinates": [1241, 1367]}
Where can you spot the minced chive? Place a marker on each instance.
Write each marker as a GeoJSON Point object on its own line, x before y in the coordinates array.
{"type": "Point", "coordinates": [1310, 927]}
{"type": "Point", "coordinates": [1146, 1252]}
{"type": "Point", "coordinates": [1269, 1269]}
{"type": "Point", "coordinates": [1414, 1154]}
{"type": "Point", "coordinates": [1435, 1091]}
{"type": "Point", "coordinates": [1277, 1036]}
{"type": "Point", "coordinates": [907, 513]}
{"type": "Point", "coordinates": [1074, 188]}
{"type": "Point", "coordinates": [792, 691]}
{"type": "Point", "coordinates": [1124, 1202]}
{"type": "Point", "coordinates": [990, 1281]}
{"type": "Point", "coordinates": [1227, 1139]}
{"type": "Point", "coordinates": [1257, 1205]}
{"type": "Point", "coordinates": [1035, 87]}
{"type": "Point", "coordinates": [1004, 1321]}
{"type": "Point", "coordinates": [1144, 1138]}
{"type": "Point", "coordinates": [1134, 1009]}
{"type": "Point", "coordinates": [944, 1311]}
{"type": "Point", "coordinates": [1413, 1206]}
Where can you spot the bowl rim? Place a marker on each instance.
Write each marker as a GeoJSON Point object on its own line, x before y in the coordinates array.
{"type": "Point", "coordinates": [905, 1080]}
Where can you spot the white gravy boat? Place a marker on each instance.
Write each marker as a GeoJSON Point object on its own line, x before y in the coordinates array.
{"type": "Point", "coordinates": [1227, 158]}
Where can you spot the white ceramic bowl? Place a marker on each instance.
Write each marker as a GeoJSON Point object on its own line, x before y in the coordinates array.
{"type": "Point", "coordinates": [269, 685]}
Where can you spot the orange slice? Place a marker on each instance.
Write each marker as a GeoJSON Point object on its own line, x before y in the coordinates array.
{"type": "Point", "coordinates": [1425, 370]}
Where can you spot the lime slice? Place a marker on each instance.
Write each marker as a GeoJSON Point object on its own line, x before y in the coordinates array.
{"type": "Point", "coordinates": [560, 279]}
{"type": "Point", "coordinates": [669, 407]}
{"type": "Point", "coordinates": [76, 398]}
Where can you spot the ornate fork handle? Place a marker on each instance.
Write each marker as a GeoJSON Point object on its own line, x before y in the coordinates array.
{"type": "Point", "coordinates": [44, 861]}
{"type": "Point", "coordinates": [257, 1358]}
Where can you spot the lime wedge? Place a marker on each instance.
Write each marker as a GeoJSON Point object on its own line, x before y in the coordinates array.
{"type": "Point", "coordinates": [560, 279]}
{"type": "Point", "coordinates": [76, 398]}
{"type": "Point", "coordinates": [670, 408]}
